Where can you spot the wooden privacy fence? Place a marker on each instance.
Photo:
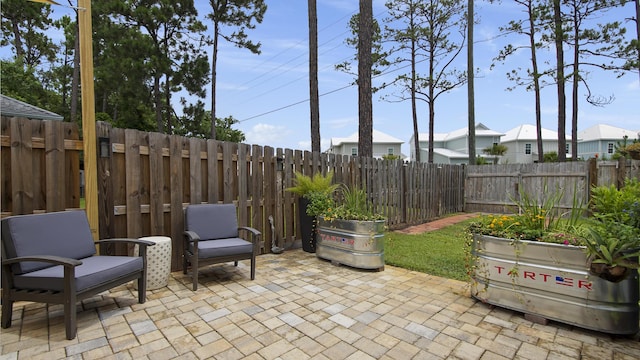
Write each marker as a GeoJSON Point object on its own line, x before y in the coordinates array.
{"type": "Point", "coordinates": [493, 189]}
{"type": "Point", "coordinates": [146, 179]}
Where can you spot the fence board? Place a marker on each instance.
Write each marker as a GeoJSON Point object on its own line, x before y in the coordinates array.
{"type": "Point", "coordinates": [156, 184]}
{"type": "Point", "coordinates": [22, 167]}
{"type": "Point", "coordinates": [54, 166]}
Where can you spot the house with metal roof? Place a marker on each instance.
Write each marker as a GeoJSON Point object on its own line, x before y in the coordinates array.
{"type": "Point", "coordinates": [522, 144]}
{"type": "Point", "coordinates": [601, 140]}
{"type": "Point", "coordinates": [11, 107]}
{"type": "Point", "coordinates": [453, 147]}
{"type": "Point", "coordinates": [383, 144]}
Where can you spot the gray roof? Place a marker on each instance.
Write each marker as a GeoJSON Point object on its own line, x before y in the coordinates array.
{"type": "Point", "coordinates": [16, 108]}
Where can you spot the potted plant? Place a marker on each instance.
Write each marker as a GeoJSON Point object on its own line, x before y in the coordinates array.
{"type": "Point", "coordinates": [634, 150]}
{"type": "Point", "coordinates": [613, 241]}
{"type": "Point", "coordinates": [543, 263]}
{"type": "Point", "coordinates": [351, 232]}
{"type": "Point", "coordinates": [318, 188]}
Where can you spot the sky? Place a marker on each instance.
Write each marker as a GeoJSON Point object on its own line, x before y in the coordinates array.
{"type": "Point", "coordinates": [268, 93]}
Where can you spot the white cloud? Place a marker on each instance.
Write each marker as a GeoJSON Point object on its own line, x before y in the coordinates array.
{"type": "Point", "coordinates": [266, 134]}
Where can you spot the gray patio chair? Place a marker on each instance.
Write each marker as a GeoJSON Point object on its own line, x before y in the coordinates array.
{"type": "Point", "coordinates": [211, 236]}
{"type": "Point", "coordinates": [51, 258]}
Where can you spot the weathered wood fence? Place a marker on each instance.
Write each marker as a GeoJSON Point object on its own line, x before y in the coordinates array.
{"type": "Point", "coordinates": [146, 179]}
{"type": "Point", "coordinates": [493, 189]}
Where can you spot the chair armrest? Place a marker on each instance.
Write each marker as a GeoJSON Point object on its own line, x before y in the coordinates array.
{"type": "Point", "coordinates": [255, 233]}
{"type": "Point", "coordinates": [126, 240]}
{"type": "Point", "coordinates": [255, 237]}
{"type": "Point", "coordinates": [56, 260]}
{"type": "Point", "coordinates": [142, 244]}
{"type": "Point", "coordinates": [191, 236]}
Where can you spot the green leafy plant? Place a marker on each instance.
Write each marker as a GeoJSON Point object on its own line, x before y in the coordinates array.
{"type": "Point", "coordinates": [613, 242]}
{"type": "Point", "coordinates": [353, 205]}
{"type": "Point", "coordinates": [318, 183]}
{"type": "Point", "coordinates": [319, 203]}
{"type": "Point", "coordinates": [611, 237]}
{"type": "Point", "coordinates": [613, 249]}
{"type": "Point", "coordinates": [537, 220]}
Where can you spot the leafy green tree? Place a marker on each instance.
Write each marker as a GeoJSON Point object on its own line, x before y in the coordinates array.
{"type": "Point", "coordinates": [551, 156]}
{"type": "Point", "coordinates": [495, 150]}
{"type": "Point", "coordinates": [238, 15]}
{"type": "Point", "coordinates": [593, 47]}
{"type": "Point", "coordinates": [530, 26]}
{"type": "Point", "coordinates": [407, 40]}
{"type": "Point", "coordinates": [427, 35]}
{"type": "Point", "coordinates": [123, 70]}
{"type": "Point", "coordinates": [378, 55]}
{"type": "Point", "coordinates": [23, 84]}
{"type": "Point", "coordinates": [24, 27]}
{"type": "Point", "coordinates": [196, 122]}
{"type": "Point", "coordinates": [178, 38]}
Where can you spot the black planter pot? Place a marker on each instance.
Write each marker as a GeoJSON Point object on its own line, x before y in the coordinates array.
{"type": "Point", "coordinates": [307, 228]}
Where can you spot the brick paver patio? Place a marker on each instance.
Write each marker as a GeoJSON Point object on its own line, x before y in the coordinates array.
{"type": "Point", "coordinates": [300, 307]}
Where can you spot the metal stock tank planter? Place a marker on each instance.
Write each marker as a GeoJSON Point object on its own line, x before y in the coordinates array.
{"type": "Point", "coordinates": [552, 281]}
{"type": "Point", "coordinates": [354, 243]}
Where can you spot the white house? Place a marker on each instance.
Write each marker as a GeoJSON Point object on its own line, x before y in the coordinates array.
{"type": "Point", "coordinates": [601, 140]}
{"type": "Point", "coordinates": [522, 144]}
{"type": "Point", "coordinates": [383, 144]}
{"type": "Point", "coordinates": [453, 147]}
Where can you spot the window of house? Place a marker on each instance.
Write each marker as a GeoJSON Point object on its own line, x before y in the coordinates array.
{"type": "Point", "coordinates": [610, 148]}
{"type": "Point", "coordinates": [390, 151]}
{"type": "Point", "coordinates": [354, 151]}
{"type": "Point", "coordinates": [527, 149]}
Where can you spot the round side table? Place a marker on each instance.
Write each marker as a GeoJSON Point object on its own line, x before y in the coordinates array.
{"type": "Point", "coordinates": [158, 262]}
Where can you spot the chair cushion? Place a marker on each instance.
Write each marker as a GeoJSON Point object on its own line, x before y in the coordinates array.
{"type": "Point", "coordinates": [65, 233]}
{"type": "Point", "coordinates": [94, 271]}
{"type": "Point", "coordinates": [212, 221]}
{"type": "Point", "coordinates": [223, 247]}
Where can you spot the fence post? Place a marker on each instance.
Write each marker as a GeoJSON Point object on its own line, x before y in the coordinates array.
{"type": "Point", "coordinates": [621, 171]}
{"type": "Point", "coordinates": [106, 217]}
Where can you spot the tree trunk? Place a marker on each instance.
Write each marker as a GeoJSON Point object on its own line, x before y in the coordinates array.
{"type": "Point", "coordinates": [470, 85]}
{"type": "Point", "coordinates": [365, 106]}
{"type": "Point", "coordinates": [638, 32]}
{"type": "Point", "coordinates": [214, 61]}
{"type": "Point", "coordinates": [414, 105]}
{"type": "Point", "coordinates": [536, 81]}
{"type": "Point", "coordinates": [158, 102]}
{"type": "Point", "coordinates": [431, 99]}
{"type": "Point", "coordinates": [562, 116]}
{"type": "Point", "coordinates": [314, 101]}
{"type": "Point", "coordinates": [574, 90]}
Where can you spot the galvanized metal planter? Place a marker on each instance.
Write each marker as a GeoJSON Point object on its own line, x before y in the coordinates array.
{"type": "Point", "coordinates": [552, 281]}
{"type": "Point", "coordinates": [350, 242]}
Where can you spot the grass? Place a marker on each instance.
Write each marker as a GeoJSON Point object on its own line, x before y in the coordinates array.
{"type": "Point", "coordinates": [439, 252]}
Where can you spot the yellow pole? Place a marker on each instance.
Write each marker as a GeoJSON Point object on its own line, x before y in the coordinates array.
{"type": "Point", "coordinates": [88, 115]}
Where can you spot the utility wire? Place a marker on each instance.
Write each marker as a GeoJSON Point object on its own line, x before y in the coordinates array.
{"type": "Point", "coordinates": [346, 86]}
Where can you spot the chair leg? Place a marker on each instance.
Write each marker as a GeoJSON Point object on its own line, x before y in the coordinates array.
{"type": "Point", "coordinates": [70, 316]}
{"type": "Point", "coordinates": [185, 262]}
{"type": "Point", "coordinates": [7, 310]}
{"type": "Point", "coordinates": [253, 267]}
{"type": "Point", "coordinates": [142, 289]}
{"type": "Point", "coordinates": [194, 272]}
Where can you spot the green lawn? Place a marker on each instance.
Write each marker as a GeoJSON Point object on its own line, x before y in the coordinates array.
{"type": "Point", "coordinates": [439, 252]}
